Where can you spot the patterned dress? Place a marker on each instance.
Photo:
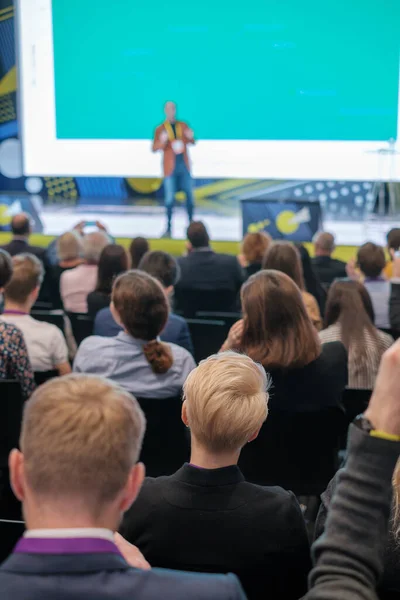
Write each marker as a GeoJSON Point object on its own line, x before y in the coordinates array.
{"type": "Point", "coordinates": [14, 360]}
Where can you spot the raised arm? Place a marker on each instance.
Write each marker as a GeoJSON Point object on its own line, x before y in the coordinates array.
{"type": "Point", "coordinates": [349, 556]}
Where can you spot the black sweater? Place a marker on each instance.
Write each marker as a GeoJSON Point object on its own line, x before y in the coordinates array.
{"type": "Point", "coordinates": [214, 521]}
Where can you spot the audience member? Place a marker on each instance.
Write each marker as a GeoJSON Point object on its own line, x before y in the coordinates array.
{"type": "Point", "coordinates": [113, 261]}
{"type": "Point", "coordinates": [277, 332]}
{"type": "Point", "coordinates": [284, 256]}
{"type": "Point", "coordinates": [204, 270]}
{"type": "Point", "coordinates": [254, 246]}
{"type": "Point", "coordinates": [21, 227]}
{"type": "Point", "coordinates": [14, 360]}
{"type": "Point", "coordinates": [77, 283]}
{"type": "Point", "coordinates": [349, 319]}
{"type": "Point", "coordinates": [135, 358]}
{"type": "Point", "coordinates": [138, 248]}
{"type": "Point", "coordinates": [349, 556]}
{"type": "Point", "coordinates": [394, 304]}
{"type": "Point", "coordinates": [393, 245]}
{"type": "Point", "coordinates": [327, 268]}
{"type": "Point", "coordinates": [163, 267]}
{"type": "Point", "coordinates": [371, 261]}
{"type": "Point", "coordinates": [262, 537]}
{"type": "Point", "coordinates": [46, 344]}
{"type": "Point", "coordinates": [76, 474]}
{"type": "Point", "coordinates": [69, 255]}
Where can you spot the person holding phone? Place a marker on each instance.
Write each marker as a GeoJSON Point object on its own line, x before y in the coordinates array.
{"type": "Point", "coordinates": [172, 137]}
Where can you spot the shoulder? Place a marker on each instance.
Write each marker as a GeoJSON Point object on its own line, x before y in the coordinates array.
{"type": "Point", "coordinates": [103, 314]}
{"type": "Point", "coordinates": [334, 352]}
{"type": "Point", "coordinates": [330, 334]}
{"type": "Point", "coordinates": [177, 320]}
{"type": "Point", "coordinates": [182, 585]}
{"type": "Point", "coordinates": [180, 354]}
{"type": "Point", "coordinates": [94, 342]}
{"type": "Point", "coordinates": [11, 333]}
{"type": "Point", "coordinates": [385, 339]}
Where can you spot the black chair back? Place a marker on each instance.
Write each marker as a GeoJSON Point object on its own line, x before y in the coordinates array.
{"type": "Point", "coordinates": [82, 326]}
{"type": "Point", "coordinates": [229, 318]}
{"type": "Point", "coordinates": [55, 317]}
{"type": "Point", "coordinates": [11, 406]}
{"type": "Point", "coordinates": [188, 302]}
{"type": "Point", "coordinates": [43, 376]}
{"type": "Point", "coordinates": [207, 336]}
{"type": "Point", "coordinates": [354, 403]}
{"type": "Point", "coordinates": [10, 533]}
{"type": "Point", "coordinates": [166, 443]}
{"type": "Point", "coordinates": [298, 451]}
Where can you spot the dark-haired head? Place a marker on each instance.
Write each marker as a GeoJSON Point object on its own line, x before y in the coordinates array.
{"type": "Point", "coordinates": [138, 248]}
{"type": "Point", "coordinates": [113, 261]}
{"type": "Point", "coordinates": [21, 224]}
{"type": "Point", "coordinates": [197, 235]}
{"type": "Point", "coordinates": [371, 259]}
{"type": "Point", "coordinates": [140, 305]}
{"type": "Point", "coordinates": [6, 268]}
{"type": "Point", "coordinates": [162, 266]}
{"type": "Point", "coordinates": [277, 331]}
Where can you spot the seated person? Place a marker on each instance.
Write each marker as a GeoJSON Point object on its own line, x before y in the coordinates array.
{"type": "Point", "coordinates": [14, 360]}
{"type": "Point", "coordinates": [46, 344]}
{"type": "Point", "coordinates": [349, 318]}
{"type": "Point", "coordinates": [138, 248]}
{"type": "Point", "coordinates": [254, 246]}
{"type": "Point", "coordinates": [209, 280]}
{"type": "Point", "coordinates": [77, 283]}
{"type": "Point", "coordinates": [285, 257]}
{"type": "Point", "coordinates": [277, 332]}
{"type": "Point", "coordinates": [163, 267]}
{"type": "Point", "coordinates": [206, 517]}
{"type": "Point", "coordinates": [135, 358]}
{"type": "Point", "coordinates": [69, 255]}
{"type": "Point", "coordinates": [371, 262]}
{"type": "Point", "coordinates": [76, 474]}
{"type": "Point", "coordinates": [327, 268]}
{"type": "Point", "coordinates": [393, 245]}
{"type": "Point", "coordinates": [113, 261]}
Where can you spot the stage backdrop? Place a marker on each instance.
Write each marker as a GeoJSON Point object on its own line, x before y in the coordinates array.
{"type": "Point", "coordinates": [340, 200]}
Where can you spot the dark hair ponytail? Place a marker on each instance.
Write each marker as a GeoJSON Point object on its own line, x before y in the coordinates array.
{"type": "Point", "coordinates": [159, 356]}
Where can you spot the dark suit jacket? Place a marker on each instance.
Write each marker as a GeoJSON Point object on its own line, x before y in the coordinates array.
{"type": "Point", "coordinates": [176, 331]}
{"type": "Point", "coordinates": [214, 521]}
{"type": "Point", "coordinates": [20, 246]}
{"type": "Point", "coordinates": [207, 272]}
{"type": "Point", "coordinates": [104, 576]}
{"type": "Point", "coordinates": [328, 269]}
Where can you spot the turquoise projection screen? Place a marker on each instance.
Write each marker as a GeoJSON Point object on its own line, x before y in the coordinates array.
{"type": "Point", "coordinates": [253, 70]}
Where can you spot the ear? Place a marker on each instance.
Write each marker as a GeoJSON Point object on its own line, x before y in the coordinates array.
{"type": "Point", "coordinates": [189, 246]}
{"type": "Point", "coordinates": [184, 414]}
{"type": "Point", "coordinates": [132, 487]}
{"type": "Point", "coordinates": [254, 436]}
{"type": "Point", "coordinates": [17, 473]}
{"type": "Point", "coordinates": [115, 314]}
{"type": "Point", "coordinates": [168, 290]}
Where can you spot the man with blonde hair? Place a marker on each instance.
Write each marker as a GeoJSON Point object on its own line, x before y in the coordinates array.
{"type": "Point", "coordinates": [76, 474]}
{"type": "Point", "coordinates": [212, 518]}
{"type": "Point", "coordinates": [45, 342]}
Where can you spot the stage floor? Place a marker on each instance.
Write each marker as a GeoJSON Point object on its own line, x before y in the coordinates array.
{"type": "Point", "coordinates": [150, 222]}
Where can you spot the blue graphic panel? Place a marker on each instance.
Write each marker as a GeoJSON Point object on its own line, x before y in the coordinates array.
{"type": "Point", "coordinates": [7, 48]}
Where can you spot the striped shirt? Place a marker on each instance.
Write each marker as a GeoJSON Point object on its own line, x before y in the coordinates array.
{"type": "Point", "coordinates": [362, 374]}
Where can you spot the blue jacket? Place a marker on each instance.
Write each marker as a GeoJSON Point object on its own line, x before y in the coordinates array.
{"type": "Point", "coordinates": [104, 575]}
{"type": "Point", "coordinates": [176, 331]}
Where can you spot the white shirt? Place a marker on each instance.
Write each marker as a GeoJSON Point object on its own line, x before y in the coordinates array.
{"type": "Point", "coordinates": [69, 532]}
{"type": "Point", "coordinates": [46, 344]}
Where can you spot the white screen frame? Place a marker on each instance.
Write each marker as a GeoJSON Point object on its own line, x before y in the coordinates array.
{"type": "Point", "coordinates": [44, 154]}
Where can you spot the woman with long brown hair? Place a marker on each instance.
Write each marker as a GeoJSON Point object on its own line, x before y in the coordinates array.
{"type": "Point", "coordinates": [277, 332]}
{"type": "Point", "coordinates": [349, 319]}
{"type": "Point", "coordinates": [254, 246]}
{"type": "Point", "coordinates": [136, 358]}
{"type": "Point", "coordinates": [285, 257]}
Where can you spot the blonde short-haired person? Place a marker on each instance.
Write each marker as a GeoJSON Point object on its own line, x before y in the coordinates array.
{"type": "Point", "coordinates": [46, 344]}
{"type": "Point", "coordinates": [76, 474]}
{"type": "Point", "coordinates": [206, 517]}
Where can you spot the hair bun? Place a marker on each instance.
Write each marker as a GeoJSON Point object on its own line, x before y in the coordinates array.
{"type": "Point", "coordinates": [159, 355]}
